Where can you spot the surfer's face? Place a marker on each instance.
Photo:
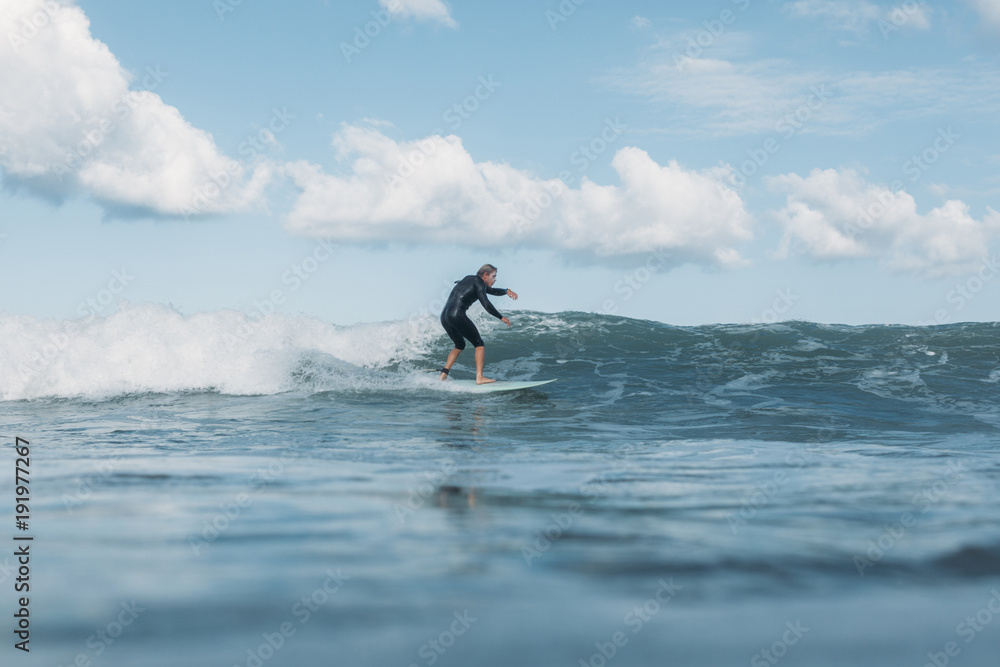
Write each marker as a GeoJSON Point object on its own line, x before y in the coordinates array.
{"type": "Point", "coordinates": [490, 278]}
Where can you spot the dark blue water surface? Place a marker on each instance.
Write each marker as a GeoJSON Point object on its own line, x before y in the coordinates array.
{"type": "Point", "coordinates": [795, 493]}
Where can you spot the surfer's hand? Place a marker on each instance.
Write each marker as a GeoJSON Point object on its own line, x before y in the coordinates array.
{"type": "Point", "coordinates": [505, 321]}
{"type": "Point", "coordinates": [512, 294]}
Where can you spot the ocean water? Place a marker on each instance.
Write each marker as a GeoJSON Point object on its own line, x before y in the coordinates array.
{"type": "Point", "coordinates": [217, 490]}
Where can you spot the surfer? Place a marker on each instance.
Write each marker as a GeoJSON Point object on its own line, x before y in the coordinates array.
{"type": "Point", "coordinates": [459, 326]}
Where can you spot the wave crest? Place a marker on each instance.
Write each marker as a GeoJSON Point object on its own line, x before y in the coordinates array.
{"type": "Point", "coordinates": [153, 348]}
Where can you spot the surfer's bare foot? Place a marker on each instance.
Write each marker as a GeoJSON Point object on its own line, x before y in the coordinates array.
{"type": "Point", "coordinates": [444, 376]}
{"type": "Point", "coordinates": [484, 380]}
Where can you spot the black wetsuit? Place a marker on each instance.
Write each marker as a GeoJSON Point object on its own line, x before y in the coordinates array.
{"type": "Point", "coordinates": [453, 317]}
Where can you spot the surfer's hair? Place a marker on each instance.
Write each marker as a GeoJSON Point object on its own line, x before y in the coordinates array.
{"type": "Point", "coordinates": [486, 268]}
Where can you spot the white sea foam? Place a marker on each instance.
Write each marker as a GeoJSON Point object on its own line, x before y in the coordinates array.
{"type": "Point", "coordinates": [152, 348]}
{"type": "Point", "coordinates": [809, 345]}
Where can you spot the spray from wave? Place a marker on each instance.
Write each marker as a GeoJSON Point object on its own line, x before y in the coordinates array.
{"type": "Point", "coordinates": [153, 348]}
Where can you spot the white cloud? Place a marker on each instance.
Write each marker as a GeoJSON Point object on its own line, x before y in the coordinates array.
{"type": "Point", "coordinates": [851, 15]}
{"type": "Point", "coordinates": [717, 98]}
{"type": "Point", "coordinates": [432, 10]}
{"type": "Point", "coordinates": [988, 10]}
{"type": "Point", "coordinates": [70, 123]}
{"type": "Point", "coordinates": [915, 16]}
{"type": "Point", "coordinates": [834, 214]}
{"type": "Point", "coordinates": [432, 191]}
{"type": "Point", "coordinates": [641, 23]}
{"type": "Point", "coordinates": [939, 190]}
{"type": "Point", "coordinates": [857, 16]}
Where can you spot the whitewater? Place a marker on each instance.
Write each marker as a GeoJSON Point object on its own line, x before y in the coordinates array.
{"type": "Point", "coordinates": [279, 490]}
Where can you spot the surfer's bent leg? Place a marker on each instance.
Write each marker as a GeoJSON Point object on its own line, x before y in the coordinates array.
{"type": "Point", "coordinates": [452, 356]}
{"type": "Point", "coordinates": [456, 336]}
{"type": "Point", "coordinates": [454, 332]}
{"type": "Point", "coordinates": [470, 331]}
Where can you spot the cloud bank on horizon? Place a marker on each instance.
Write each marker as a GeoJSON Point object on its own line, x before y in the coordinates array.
{"type": "Point", "coordinates": [76, 123]}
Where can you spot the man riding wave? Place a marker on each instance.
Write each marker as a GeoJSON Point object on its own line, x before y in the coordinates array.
{"type": "Point", "coordinates": [458, 325]}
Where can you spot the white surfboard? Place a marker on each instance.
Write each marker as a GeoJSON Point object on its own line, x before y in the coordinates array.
{"type": "Point", "coordinates": [499, 385]}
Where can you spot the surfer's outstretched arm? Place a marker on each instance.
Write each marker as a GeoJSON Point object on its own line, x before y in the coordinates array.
{"type": "Point", "coordinates": [496, 291]}
{"type": "Point", "coordinates": [481, 291]}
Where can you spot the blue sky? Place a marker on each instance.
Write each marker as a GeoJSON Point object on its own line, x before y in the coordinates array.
{"type": "Point", "coordinates": [735, 161]}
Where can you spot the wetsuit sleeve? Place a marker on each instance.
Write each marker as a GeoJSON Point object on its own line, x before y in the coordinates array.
{"type": "Point", "coordinates": [481, 290]}
{"type": "Point", "coordinates": [496, 291]}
